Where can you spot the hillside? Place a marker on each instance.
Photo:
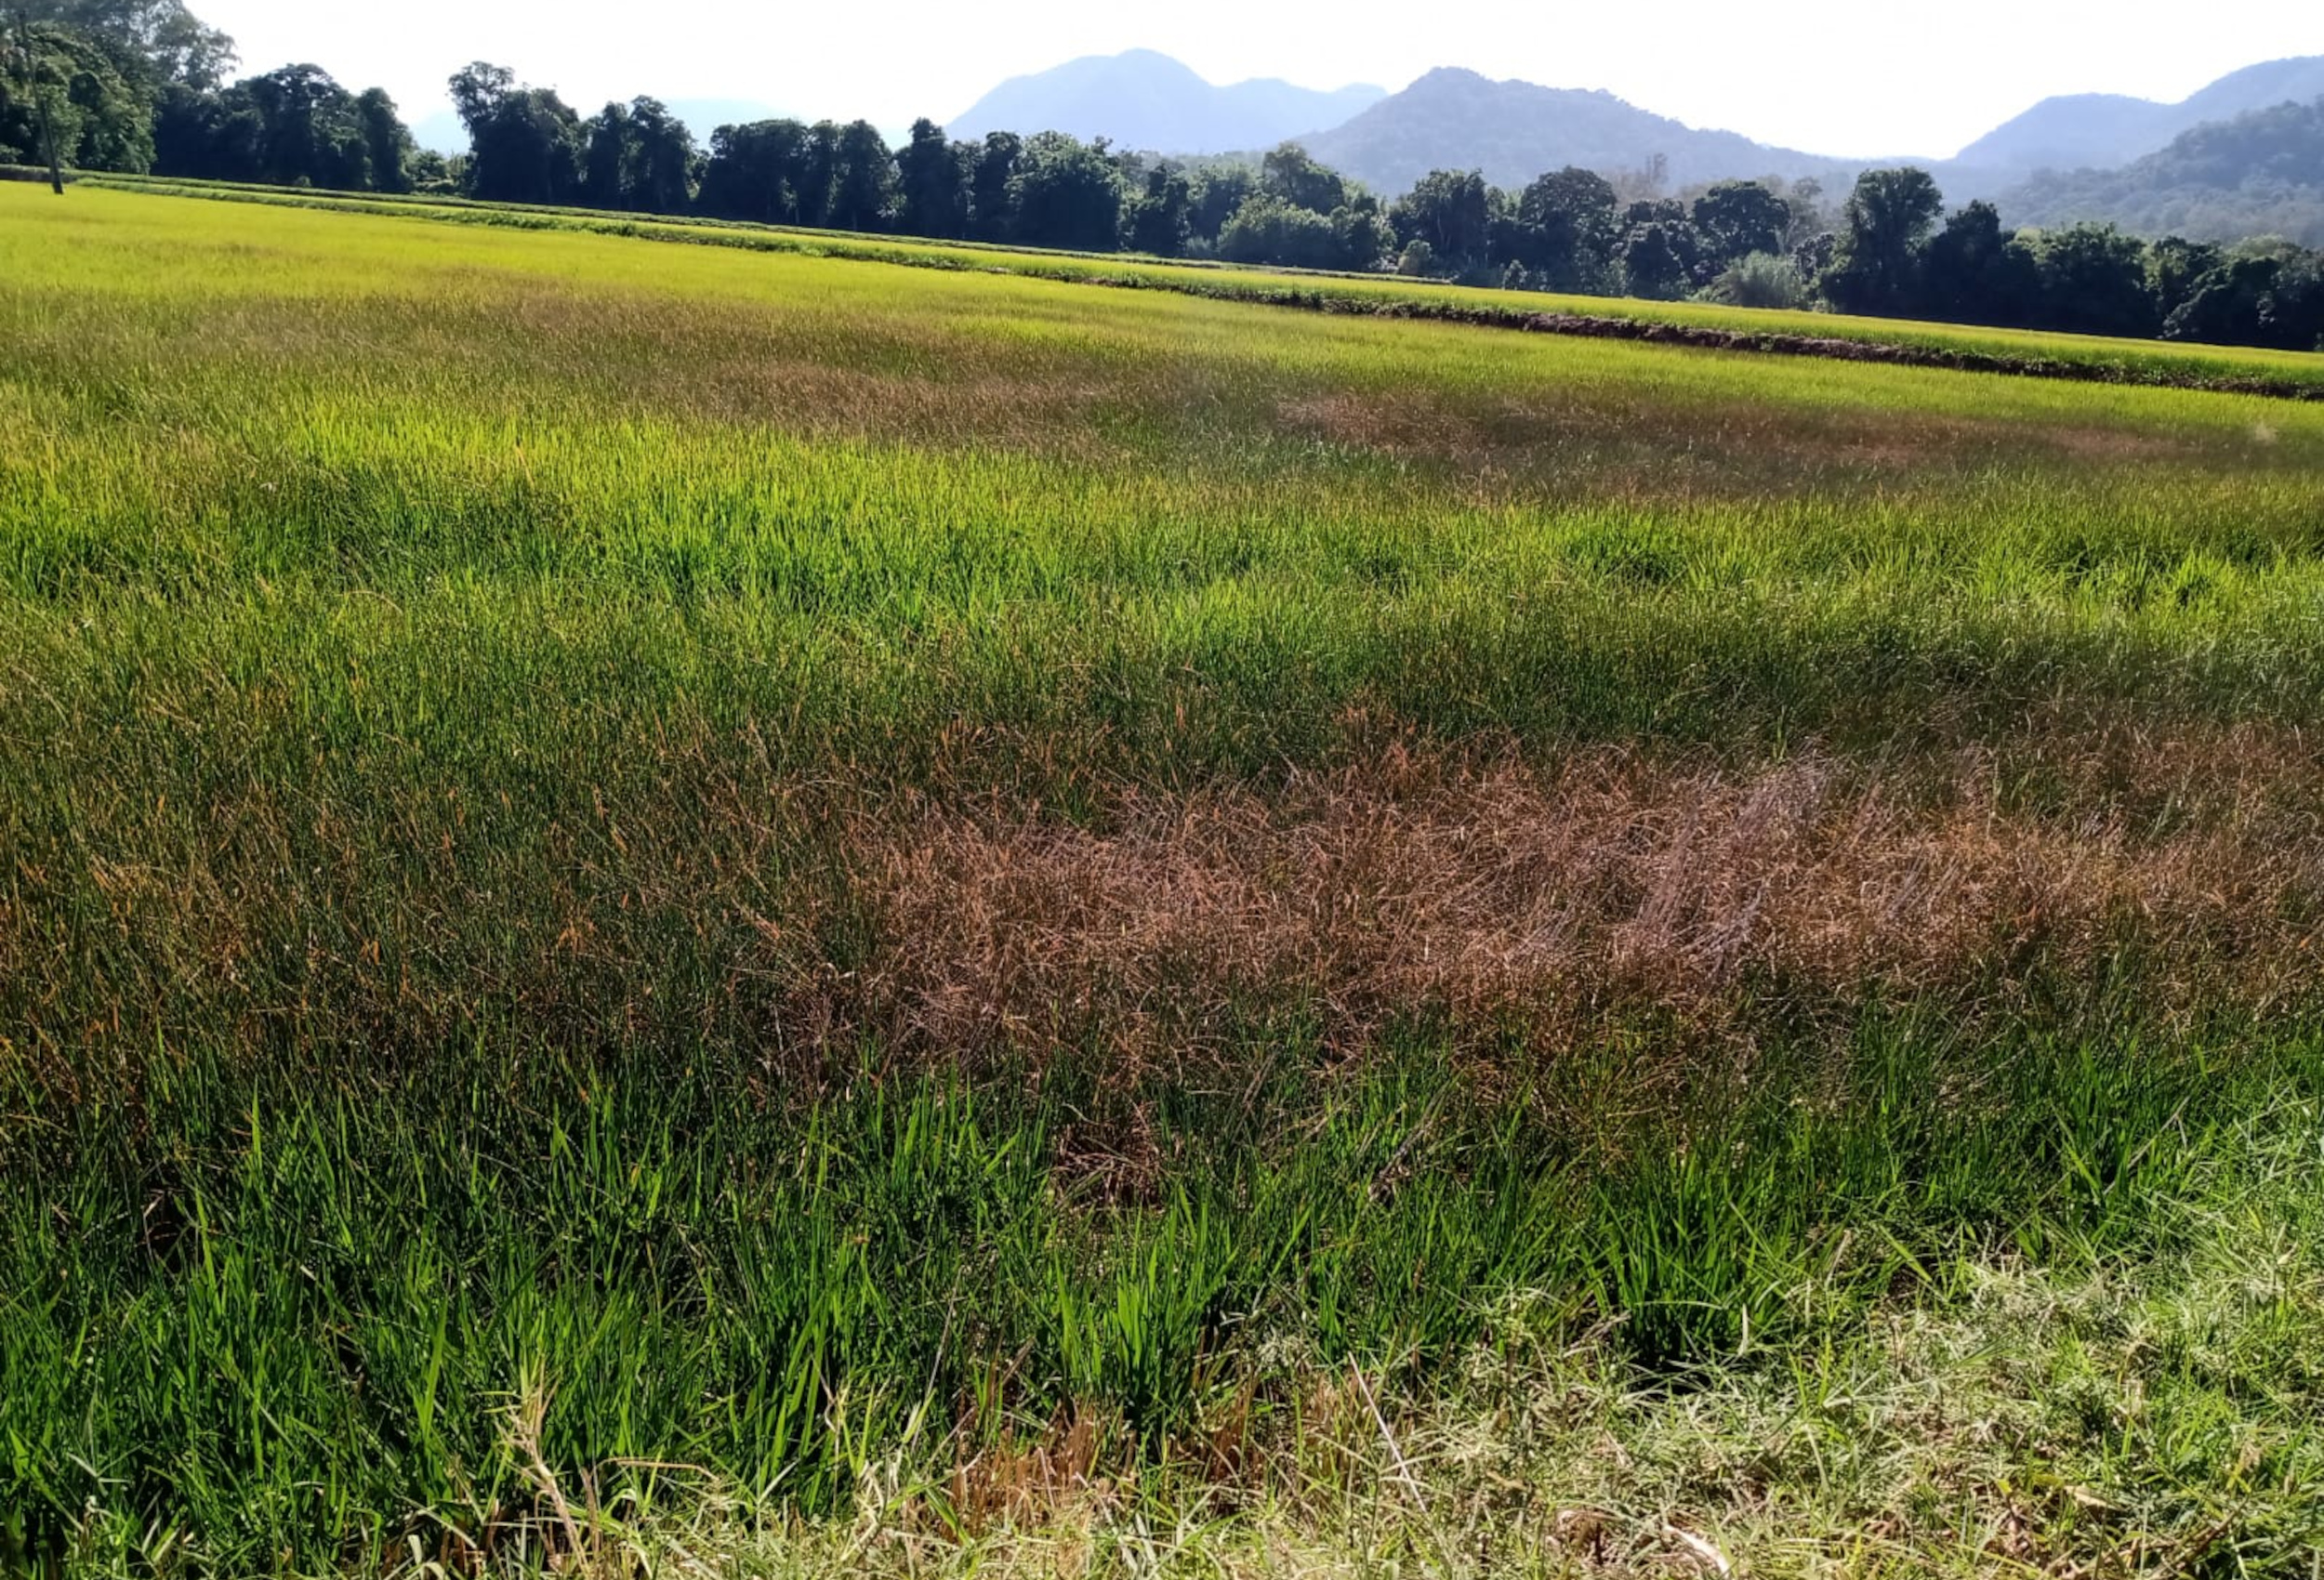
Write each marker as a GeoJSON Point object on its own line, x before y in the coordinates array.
{"type": "Point", "coordinates": [1144, 100]}
{"type": "Point", "coordinates": [2260, 174]}
{"type": "Point", "coordinates": [1453, 119]}
{"type": "Point", "coordinates": [2100, 130]}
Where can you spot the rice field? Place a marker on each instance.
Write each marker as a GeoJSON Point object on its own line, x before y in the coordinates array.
{"type": "Point", "coordinates": [2294, 374]}
{"type": "Point", "coordinates": [707, 907]}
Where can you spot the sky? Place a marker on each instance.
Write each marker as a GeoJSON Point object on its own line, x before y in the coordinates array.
{"type": "Point", "coordinates": [1843, 77]}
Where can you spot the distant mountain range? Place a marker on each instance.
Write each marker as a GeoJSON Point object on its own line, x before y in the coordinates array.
{"type": "Point", "coordinates": [2193, 166]}
{"type": "Point", "coordinates": [2100, 130]}
{"type": "Point", "coordinates": [1144, 100]}
{"type": "Point", "coordinates": [2261, 174]}
{"type": "Point", "coordinates": [2243, 156]}
{"type": "Point", "coordinates": [1460, 120]}
{"type": "Point", "coordinates": [1513, 131]}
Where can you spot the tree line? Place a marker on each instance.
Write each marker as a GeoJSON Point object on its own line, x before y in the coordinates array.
{"type": "Point", "coordinates": [140, 85]}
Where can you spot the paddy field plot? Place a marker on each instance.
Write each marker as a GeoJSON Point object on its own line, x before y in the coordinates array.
{"type": "Point", "coordinates": [692, 903]}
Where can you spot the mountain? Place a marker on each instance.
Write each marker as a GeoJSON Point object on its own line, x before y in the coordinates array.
{"type": "Point", "coordinates": [1513, 131]}
{"type": "Point", "coordinates": [2259, 174]}
{"type": "Point", "coordinates": [440, 132]}
{"type": "Point", "coordinates": [1142, 99]}
{"type": "Point", "coordinates": [2100, 130]}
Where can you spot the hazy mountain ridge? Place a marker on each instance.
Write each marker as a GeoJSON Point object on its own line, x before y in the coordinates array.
{"type": "Point", "coordinates": [2102, 130]}
{"type": "Point", "coordinates": [1456, 119]}
{"type": "Point", "coordinates": [1512, 130]}
{"type": "Point", "coordinates": [1144, 100]}
{"type": "Point", "coordinates": [2044, 166]}
{"type": "Point", "coordinates": [2259, 174]}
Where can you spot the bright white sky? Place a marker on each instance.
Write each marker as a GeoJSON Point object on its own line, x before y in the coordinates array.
{"type": "Point", "coordinates": [1858, 77]}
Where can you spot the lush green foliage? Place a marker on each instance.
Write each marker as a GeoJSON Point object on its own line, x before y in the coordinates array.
{"type": "Point", "coordinates": [131, 85]}
{"type": "Point", "coordinates": [293, 127]}
{"type": "Point", "coordinates": [284, 1323]}
{"type": "Point", "coordinates": [69, 99]}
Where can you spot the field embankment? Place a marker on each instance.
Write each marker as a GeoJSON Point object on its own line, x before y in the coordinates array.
{"type": "Point", "coordinates": [668, 900]}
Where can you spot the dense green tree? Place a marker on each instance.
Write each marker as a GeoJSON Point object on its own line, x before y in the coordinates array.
{"type": "Point", "coordinates": [605, 161]}
{"type": "Point", "coordinates": [1737, 218]}
{"type": "Point", "coordinates": [1291, 174]}
{"type": "Point", "coordinates": [1658, 257]}
{"type": "Point", "coordinates": [991, 216]}
{"type": "Point", "coordinates": [1066, 193]}
{"type": "Point", "coordinates": [662, 159]}
{"type": "Point", "coordinates": [1159, 219]}
{"type": "Point", "coordinates": [2174, 266]}
{"type": "Point", "coordinates": [525, 144]}
{"type": "Point", "coordinates": [1814, 255]}
{"type": "Point", "coordinates": [933, 183]}
{"type": "Point", "coordinates": [2229, 305]}
{"type": "Point", "coordinates": [2094, 282]}
{"type": "Point", "coordinates": [32, 95]}
{"type": "Point", "coordinates": [1761, 280]}
{"type": "Point", "coordinates": [1267, 228]}
{"type": "Point", "coordinates": [217, 137]}
{"type": "Point", "coordinates": [819, 173]}
{"type": "Point", "coordinates": [1452, 211]}
{"type": "Point", "coordinates": [1582, 199]}
{"type": "Point", "coordinates": [388, 146]}
{"type": "Point", "coordinates": [755, 171]}
{"type": "Point", "coordinates": [167, 43]}
{"type": "Point", "coordinates": [1221, 189]}
{"type": "Point", "coordinates": [2293, 317]}
{"type": "Point", "coordinates": [1805, 222]}
{"type": "Point", "coordinates": [310, 134]}
{"type": "Point", "coordinates": [71, 99]}
{"type": "Point", "coordinates": [638, 156]}
{"type": "Point", "coordinates": [863, 179]}
{"type": "Point", "coordinates": [1564, 230]}
{"type": "Point", "coordinates": [1365, 235]}
{"type": "Point", "coordinates": [1875, 267]}
{"type": "Point", "coordinates": [439, 174]}
{"type": "Point", "coordinates": [1975, 272]}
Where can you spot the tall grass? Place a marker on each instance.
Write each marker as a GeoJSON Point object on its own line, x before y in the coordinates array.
{"type": "Point", "coordinates": [295, 1322]}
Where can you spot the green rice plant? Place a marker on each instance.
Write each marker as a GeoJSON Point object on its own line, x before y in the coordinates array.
{"type": "Point", "coordinates": [313, 1322]}
{"type": "Point", "coordinates": [2132, 360]}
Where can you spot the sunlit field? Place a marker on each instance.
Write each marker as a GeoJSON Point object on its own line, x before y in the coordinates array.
{"type": "Point", "coordinates": [2026, 352]}
{"type": "Point", "coordinates": [677, 907]}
